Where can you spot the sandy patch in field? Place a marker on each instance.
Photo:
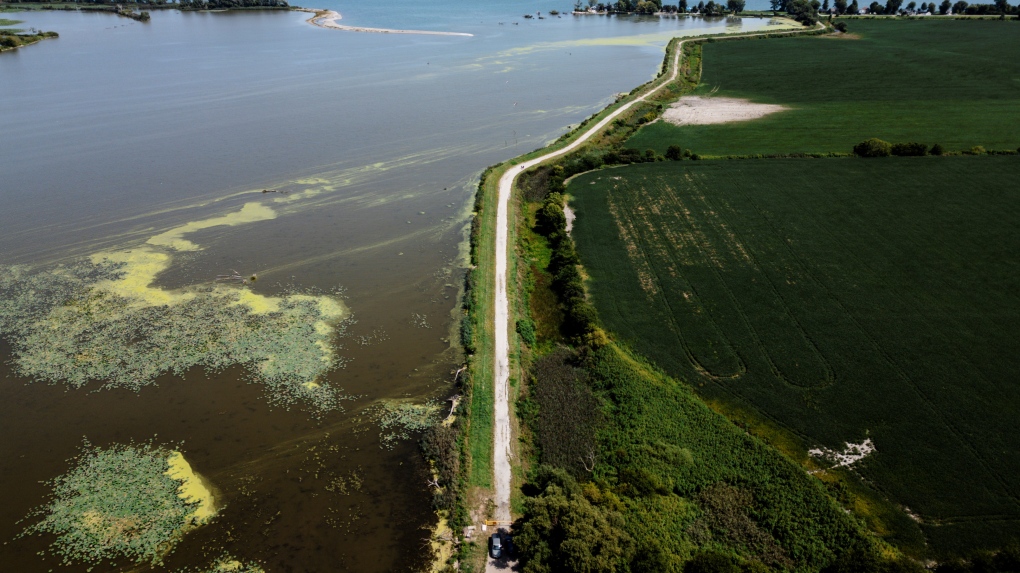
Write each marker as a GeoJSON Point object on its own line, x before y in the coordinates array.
{"type": "Point", "coordinates": [699, 110]}
{"type": "Point", "coordinates": [850, 455]}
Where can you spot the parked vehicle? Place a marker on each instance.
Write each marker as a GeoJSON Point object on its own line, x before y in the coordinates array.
{"type": "Point", "coordinates": [497, 546]}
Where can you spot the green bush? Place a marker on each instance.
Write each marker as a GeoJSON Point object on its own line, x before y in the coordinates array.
{"type": "Point", "coordinates": [467, 334]}
{"type": "Point", "coordinates": [526, 329]}
{"type": "Point", "coordinates": [550, 217]}
{"type": "Point", "coordinates": [909, 149]}
{"type": "Point", "coordinates": [674, 153]}
{"type": "Point", "coordinates": [873, 147]}
{"type": "Point", "coordinates": [582, 317]}
{"type": "Point", "coordinates": [711, 562]}
{"type": "Point", "coordinates": [565, 531]}
{"type": "Point", "coordinates": [937, 149]}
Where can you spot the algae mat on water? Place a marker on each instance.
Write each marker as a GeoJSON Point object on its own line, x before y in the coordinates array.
{"type": "Point", "coordinates": [131, 502]}
{"type": "Point", "coordinates": [847, 300]}
{"type": "Point", "coordinates": [947, 82]}
{"type": "Point", "coordinates": [105, 319]}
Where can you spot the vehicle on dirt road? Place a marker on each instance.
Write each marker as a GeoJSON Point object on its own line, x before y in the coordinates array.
{"type": "Point", "coordinates": [496, 549]}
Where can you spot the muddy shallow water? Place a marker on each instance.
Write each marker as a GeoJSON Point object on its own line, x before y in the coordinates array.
{"type": "Point", "coordinates": [367, 149]}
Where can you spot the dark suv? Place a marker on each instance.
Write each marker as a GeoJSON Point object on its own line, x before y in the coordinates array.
{"type": "Point", "coordinates": [496, 546]}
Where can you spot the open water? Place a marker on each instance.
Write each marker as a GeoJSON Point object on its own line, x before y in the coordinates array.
{"type": "Point", "coordinates": [372, 144]}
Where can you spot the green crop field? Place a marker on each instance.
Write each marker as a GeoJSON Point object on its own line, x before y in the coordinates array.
{"type": "Point", "coordinates": [845, 300]}
{"type": "Point", "coordinates": [956, 83]}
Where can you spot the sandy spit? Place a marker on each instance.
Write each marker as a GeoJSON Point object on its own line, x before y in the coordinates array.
{"type": "Point", "coordinates": [330, 19]}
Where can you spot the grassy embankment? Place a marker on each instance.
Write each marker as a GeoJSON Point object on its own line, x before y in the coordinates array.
{"type": "Point", "coordinates": [925, 383]}
{"type": "Point", "coordinates": [478, 320]}
{"type": "Point", "coordinates": [479, 298]}
{"type": "Point", "coordinates": [935, 81]}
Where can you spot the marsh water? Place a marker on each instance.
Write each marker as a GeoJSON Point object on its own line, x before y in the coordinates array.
{"type": "Point", "coordinates": [367, 147]}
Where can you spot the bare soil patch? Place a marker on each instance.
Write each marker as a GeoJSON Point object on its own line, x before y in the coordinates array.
{"type": "Point", "coordinates": [700, 110]}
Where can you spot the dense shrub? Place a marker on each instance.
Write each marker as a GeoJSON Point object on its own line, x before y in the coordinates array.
{"type": "Point", "coordinates": [750, 497]}
{"type": "Point", "coordinates": [873, 147]}
{"type": "Point", "coordinates": [567, 413]}
{"type": "Point", "coordinates": [550, 218]}
{"type": "Point", "coordinates": [439, 444]}
{"type": "Point", "coordinates": [526, 329]}
{"type": "Point", "coordinates": [711, 562]}
{"type": "Point", "coordinates": [726, 518]}
{"type": "Point", "coordinates": [937, 149]}
{"type": "Point", "coordinates": [568, 528]}
{"type": "Point", "coordinates": [550, 221]}
{"type": "Point", "coordinates": [909, 149]}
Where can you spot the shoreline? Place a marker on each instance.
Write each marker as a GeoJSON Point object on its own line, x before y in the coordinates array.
{"type": "Point", "coordinates": [329, 18]}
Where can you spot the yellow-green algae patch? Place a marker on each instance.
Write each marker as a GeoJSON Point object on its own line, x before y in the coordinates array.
{"type": "Point", "coordinates": [105, 319]}
{"type": "Point", "coordinates": [249, 213]}
{"type": "Point", "coordinates": [193, 489]}
{"type": "Point", "coordinates": [441, 542]}
{"type": "Point", "coordinates": [138, 270]}
{"type": "Point", "coordinates": [225, 564]}
{"type": "Point", "coordinates": [235, 566]}
{"type": "Point", "coordinates": [120, 502]}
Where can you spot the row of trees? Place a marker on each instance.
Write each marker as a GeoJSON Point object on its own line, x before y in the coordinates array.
{"type": "Point", "coordinates": [551, 222]}
{"type": "Point", "coordinates": [806, 11]}
{"type": "Point", "coordinates": [710, 8]}
{"type": "Point", "coordinates": [875, 147]}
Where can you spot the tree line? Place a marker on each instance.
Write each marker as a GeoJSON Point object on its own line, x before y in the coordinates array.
{"type": "Point", "coordinates": [710, 8]}
{"type": "Point", "coordinates": [803, 8]}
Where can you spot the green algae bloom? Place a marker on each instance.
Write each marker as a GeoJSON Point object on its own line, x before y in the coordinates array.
{"type": "Point", "coordinates": [120, 502]}
{"type": "Point", "coordinates": [101, 320]}
{"type": "Point", "coordinates": [398, 420]}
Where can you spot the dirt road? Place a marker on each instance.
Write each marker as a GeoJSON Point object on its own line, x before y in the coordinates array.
{"type": "Point", "coordinates": [502, 453]}
{"type": "Point", "coordinates": [501, 436]}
